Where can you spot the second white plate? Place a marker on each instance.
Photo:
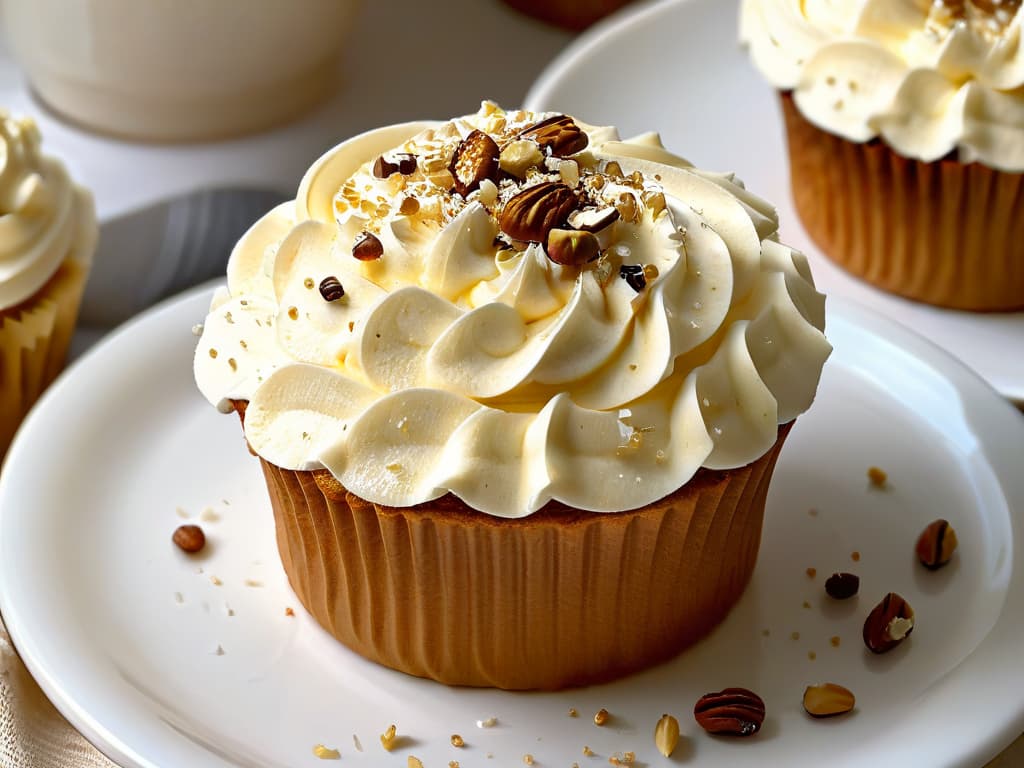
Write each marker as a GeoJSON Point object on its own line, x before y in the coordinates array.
{"type": "Point", "coordinates": [676, 67]}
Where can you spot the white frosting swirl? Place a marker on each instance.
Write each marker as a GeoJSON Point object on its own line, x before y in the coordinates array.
{"type": "Point", "coordinates": [930, 77]}
{"type": "Point", "coordinates": [464, 361]}
{"type": "Point", "coordinates": [42, 213]}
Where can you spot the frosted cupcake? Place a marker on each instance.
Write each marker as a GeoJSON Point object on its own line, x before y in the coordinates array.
{"type": "Point", "coordinates": [905, 121]}
{"type": "Point", "coordinates": [517, 388]}
{"type": "Point", "coordinates": [47, 239]}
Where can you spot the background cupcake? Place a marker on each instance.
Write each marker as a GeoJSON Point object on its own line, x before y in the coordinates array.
{"type": "Point", "coordinates": [905, 121]}
{"type": "Point", "coordinates": [518, 388]}
{"type": "Point", "coordinates": [48, 235]}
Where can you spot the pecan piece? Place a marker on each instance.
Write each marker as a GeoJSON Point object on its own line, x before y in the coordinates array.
{"type": "Point", "coordinates": [888, 624]}
{"type": "Point", "coordinates": [936, 544]}
{"type": "Point", "coordinates": [827, 700]}
{"type": "Point", "coordinates": [189, 538]}
{"type": "Point", "coordinates": [558, 134]}
{"type": "Point", "coordinates": [572, 248]}
{"type": "Point", "coordinates": [732, 711]}
{"type": "Point", "coordinates": [842, 586]}
{"type": "Point", "coordinates": [535, 211]}
{"type": "Point", "coordinates": [367, 247]}
{"type": "Point", "coordinates": [475, 159]}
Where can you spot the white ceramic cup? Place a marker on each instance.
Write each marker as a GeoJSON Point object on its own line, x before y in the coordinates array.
{"type": "Point", "coordinates": [178, 70]}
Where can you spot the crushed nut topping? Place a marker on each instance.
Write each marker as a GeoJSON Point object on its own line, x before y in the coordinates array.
{"type": "Point", "coordinates": [601, 717]}
{"type": "Point", "coordinates": [388, 738]}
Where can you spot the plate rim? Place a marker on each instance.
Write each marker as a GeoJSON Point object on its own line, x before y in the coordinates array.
{"type": "Point", "coordinates": [858, 318]}
{"type": "Point", "coordinates": [610, 28]}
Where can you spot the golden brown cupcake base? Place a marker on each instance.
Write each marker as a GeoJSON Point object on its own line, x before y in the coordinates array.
{"type": "Point", "coordinates": [943, 232]}
{"type": "Point", "coordinates": [558, 599]}
{"type": "Point", "coordinates": [34, 340]}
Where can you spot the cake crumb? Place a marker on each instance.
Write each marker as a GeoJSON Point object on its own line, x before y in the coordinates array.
{"type": "Point", "coordinates": [877, 476]}
{"type": "Point", "coordinates": [587, 751]}
{"type": "Point", "coordinates": [812, 655]}
{"type": "Point", "coordinates": [855, 556]}
{"type": "Point", "coordinates": [326, 753]}
{"type": "Point", "coordinates": [288, 611]}
{"type": "Point", "coordinates": [215, 581]}
{"type": "Point", "coordinates": [806, 604]}
{"type": "Point", "coordinates": [388, 738]}
{"type": "Point", "coordinates": [573, 712]}
{"type": "Point", "coordinates": [458, 741]}
{"type": "Point", "coordinates": [528, 759]}
{"type": "Point", "coordinates": [794, 636]}
{"type": "Point", "coordinates": [812, 572]}
{"type": "Point", "coordinates": [835, 640]}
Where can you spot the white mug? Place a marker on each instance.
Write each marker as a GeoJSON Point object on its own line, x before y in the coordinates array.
{"type": "Point", "coordinates": [178, 70]}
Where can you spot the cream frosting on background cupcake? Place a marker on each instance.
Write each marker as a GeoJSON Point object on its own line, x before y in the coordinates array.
{"type": "Point", "coordinates": [48, 235]}
{"type": "Point", "coordinates": [906, 128]}
{"type": "Point", "coordinates": [480, 358]}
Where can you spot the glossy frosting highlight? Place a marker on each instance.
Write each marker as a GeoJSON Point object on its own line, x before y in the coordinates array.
{"type": "Point", "coordinates": [41, 212]}
{"type": "Point", "coordinates": [466, 361]}
{"type": "Point", "coordinates": [930, 77]}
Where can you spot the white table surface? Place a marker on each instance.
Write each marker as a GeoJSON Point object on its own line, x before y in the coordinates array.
{"type": "Point", "coordinates": [456, 53]}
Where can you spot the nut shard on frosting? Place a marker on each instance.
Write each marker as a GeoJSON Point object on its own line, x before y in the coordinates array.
{"type": "Point", "coordinates": [930, 77]}
{"type": "Point", "coordinates": [466, 360]}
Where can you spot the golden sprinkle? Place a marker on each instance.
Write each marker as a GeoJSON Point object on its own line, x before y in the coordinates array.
{"type": "Point", "coordinates": [213, 352]}
{"type": "Point", "coordinates": [308, 282]}
{"type": "Point", "coordinates": [806, 604]}
{"type": "Point", "coordinates": [215, 581]}
{"type": "Point", "coordinates": [812, 655]}
{"type": "Point", "coordinates": [457, 740]}
{"type": "Point", "coordinates": [453, 764]}
{"type": "Point", "coordinates": [587, 751]}
{"type": "Point", "coordinates": [666, 735]}
{"type": "Point", "coordinates": [243, 343]}
{"type": "Point", "coordinates": [351, 326]}
{"type": "Point", "coordinates": [573, 712]}
{"type": "Point", "coordinates": [388, 738]}
{"type": "Point", "coordinates": [293, 313]}
{"type": "Point", "coordinates": [812, 572]}
{"type": "Point", "coordinates": [325, 753]}
{"type": "Point", "coordinates": [528, 759]}
{"type": "Point", "coordinates": [835, 640]}
{"type": "Point", "coordinates": [877, 476]}
{"type": "Point", "coordinates": [855, 556]}
{"type": "Point", "coordinates": [233, 364]}
{"type": "Point", "coordinates": [794, 635]}
{"type": "Point", "coordinates": [601, 717]}
{"type": "Point", "coordinates": [409, 206]}
{"type": "Point", "coordinates": [413, 762]}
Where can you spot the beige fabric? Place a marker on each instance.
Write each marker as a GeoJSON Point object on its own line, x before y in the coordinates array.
{"type": "Point", "coordinates": [32, 733]}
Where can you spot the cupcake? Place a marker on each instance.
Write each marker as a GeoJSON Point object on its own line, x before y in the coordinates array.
{"type": "Point", "coordinates": [47, 239]}
{"type": "Point", "coordinates": [905, 122]}
{"type": "Point", "coordinates": [517, 388]}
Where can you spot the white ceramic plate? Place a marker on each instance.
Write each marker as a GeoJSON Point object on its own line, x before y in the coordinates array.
{"type": "Point", "coordinates": [676, 67]}
{"type": "Point", "coordinates": [123, 631]}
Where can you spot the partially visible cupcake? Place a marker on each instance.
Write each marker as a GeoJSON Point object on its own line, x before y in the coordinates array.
{"type": "Point", "coordinates": [518, 388]}
{"type": "Point", "coordinates": [905, 121]}
{"type": "Point", "coordinates": [571, 14]}
{"type": "Point", "coordinates": [48, 235]}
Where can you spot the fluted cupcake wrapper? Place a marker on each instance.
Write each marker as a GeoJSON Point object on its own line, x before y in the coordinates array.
{"type": "Point", "coordinates": [34, 340]}
{"type": "Point", "coordinates": [557, 599]}
{"type": "Point", "coordinates": [944, 233]}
